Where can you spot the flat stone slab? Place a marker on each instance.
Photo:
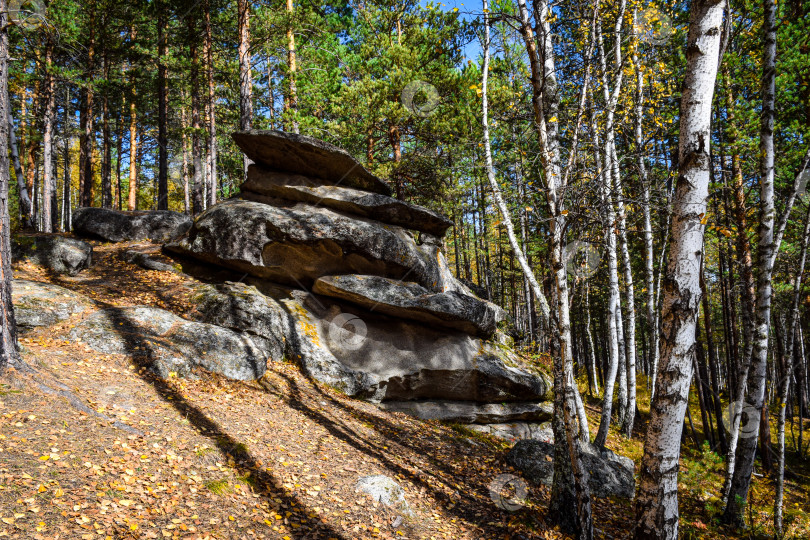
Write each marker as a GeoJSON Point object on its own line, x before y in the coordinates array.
{"type": "Point", "coordinates": [516, 431]}
{"type": "Point", "coordinates": [115, 226]}
{"type": "Point", "coordinates": [296, 243]}
{"type": "Point", "coordinates": [407, 300]}
{"type": "Point", "coordinates": [610, 473]}
{"type": "Point", "coordinates": [44, 304]}
{"type": "Point", "coordinates": [170, 343]}
{"type": "Point", "coordinates": [299, 154]}
{"type": "Point", "coordinates": [470, 412]}
{"type": "Point", "coordinates": [56, 253]}
{"type": "Point", "coordinates": [375, 206]}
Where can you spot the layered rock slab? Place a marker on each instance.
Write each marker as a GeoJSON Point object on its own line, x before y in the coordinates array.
{"type": "Point", "coordinates": [375, 206]}
{"type": "Point", "coordinates": [170, 344]}
{"type": "Point", "coordinates": [452, 310]}
{"type": "Point", "coordinates": [466, 412]}
{"type": "Point", "coordinates": [117, 226]}
{"type": "Point", "coordinates": [45, 304]}
{"type": "Point", "coordinates": [56, 253]}
{"type": "Point", "coordinates": [299, 154]}
{"type": "Point", "coordinates": [295, 244]}
{"type": "Point", "coordinates": [373, 356]}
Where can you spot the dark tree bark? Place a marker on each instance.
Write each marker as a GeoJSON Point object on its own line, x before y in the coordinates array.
{"type": "Point", "coordinates": [9, 352]}
{"type": "Point", "coordinates": [163, 106]}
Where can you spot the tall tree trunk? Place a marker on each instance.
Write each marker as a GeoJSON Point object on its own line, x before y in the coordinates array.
{"type": "Point", "coordinates": [610, 177]}
{"type": "Point", "coordinates": [212, 126]}
{"type": "Point", "coordinates": [67, 213]}
{"type": "Point", "coordinates": [769, 239]}
{"type": "Point", "coordinates": [649, 268]}
{"type": "Point", "coordinates": [25, 199]}
{"type": "Point", "coordinates": [747, 289]}
{"type": "Point", "coordinates": [9, 352]}
{"type": "Point", "coordinates": [657, 500]}
{"type": "Point", "coordinates": [86, 119]}
{"type": "Point", "coordinates": [245, 77]}
{"type": "Point", "coordinates": [185, 172]}
{"type": "Point", "coordinates": [163, 108]}
{"type": "Point", "coordinates": [119, 150]}
{"type": "Point", "coordinates": [132, 201]}
{"type": "Point", "coordinates": [106, 159]}
{"type": "Point", "coordinates": [49, 120]}
{"type": "Point", "coordinates": [292, 72]}
{"type": "Point", "coordinates": [570, 485]}
{"type": "Point", "coordinates": [198, 183]}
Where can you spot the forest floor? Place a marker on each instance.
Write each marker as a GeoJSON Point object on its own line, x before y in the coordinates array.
{"type": "Point", "coordinates": [275, 458]}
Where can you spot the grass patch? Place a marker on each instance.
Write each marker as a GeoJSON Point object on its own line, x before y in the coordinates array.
{"type": "Point", "coordinates": [218, 487]}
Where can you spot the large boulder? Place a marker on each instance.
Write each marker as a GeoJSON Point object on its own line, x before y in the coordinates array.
{"type": "Point", "coordinates": [296, 243]}
{"type": "Point", "coordinates": [171, 344]}
{"type": "Point", "coordinates": [116, 226]}
{"type": "Point", "coordinates": [371, 355]}
{"type": "Point", "coordinates": [610, 473]}
{"type": "Point", "coordinates": [243, 308]}
{"type": "Point", "coordinates": [56, 253]}
{"type": "Point", "coordinates": [293, 187]}
{"type": "Point", "coordinates": [469, 412]}
{"type": "Point", "coordinates": [298, 154]}
{"type": "Point", "coordinates": [407, 300]}
{"type": "Point", "coordinates": [44, 304]}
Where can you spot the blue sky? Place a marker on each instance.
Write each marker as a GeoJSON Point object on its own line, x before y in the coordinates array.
{"type": "Point", "coordinates": [469, 11]}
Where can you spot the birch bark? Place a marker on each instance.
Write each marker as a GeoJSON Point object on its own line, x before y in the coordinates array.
{"type": "Point", "coordinates": [657, 500]}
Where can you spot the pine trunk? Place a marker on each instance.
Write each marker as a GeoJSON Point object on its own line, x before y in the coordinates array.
{"type": "Point", "coordinates": [245, 77]}
{"type": "Point", "coordinates": [9, 352]}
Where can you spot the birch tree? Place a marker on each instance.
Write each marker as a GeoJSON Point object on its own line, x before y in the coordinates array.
{"type": "Point", "coordinates": [769, 239]}
{"type": "Point", "coordinates": [564, 424]}
{"type": "Point", "coordinates": [657, 500]}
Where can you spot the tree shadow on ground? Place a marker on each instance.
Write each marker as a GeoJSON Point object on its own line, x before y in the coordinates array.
{"type": "Point", "coordinates": [468, 500]}
{"type": "Point", "coordinates": [263, 482]}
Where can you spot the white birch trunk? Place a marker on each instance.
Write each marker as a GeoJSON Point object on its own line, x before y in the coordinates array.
{"type": "Point", "coordinates": [657, 500]}
{"type": "Point", "coordinates": [784, 390]}
{"type": "Point", "coordinates": [48, 169]}
{"type": "Point", "coordinates": [567, 442]}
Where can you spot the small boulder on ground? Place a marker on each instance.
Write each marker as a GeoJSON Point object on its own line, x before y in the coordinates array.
{"type": "Point", "coordinates": [386, 491]}
{"type": "Point", "coordinates": [116, 226]}
{"type": "Point", "coordinates": [57, 253]}
{"type": "Point", "coordinates": [610, 473]}
{"type": "Point", "coordinates": [44, 304]}
{"type": "Point", "coordinates": [144, 260]}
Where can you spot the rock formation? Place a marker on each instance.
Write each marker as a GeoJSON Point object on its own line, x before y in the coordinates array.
{"type": "Point", "coordinates": [114, 226]}
{"type": "Point", "coordinates": [353, 285]}
{"type": "Point", "coordinates": [56, 253]}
